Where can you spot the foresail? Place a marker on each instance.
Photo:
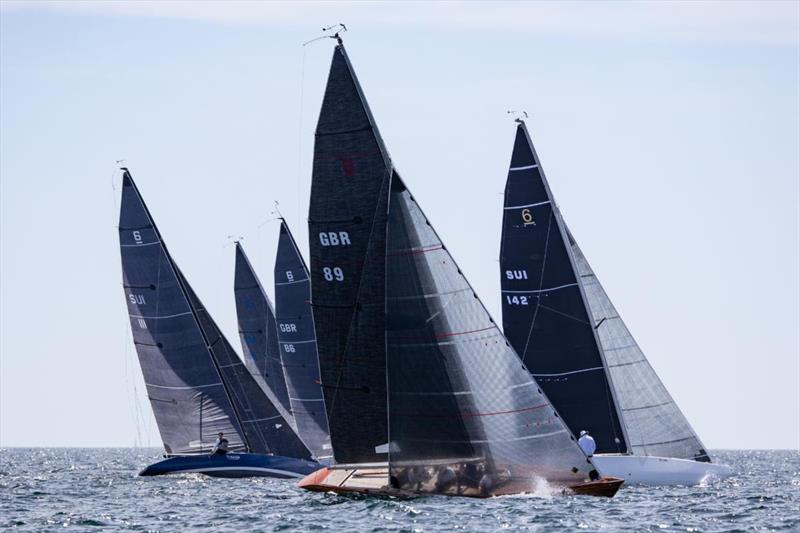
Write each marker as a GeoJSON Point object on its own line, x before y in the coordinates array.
{"type": "Point", "coordinates": [257, 329]}
{"type": "Point", "coordinates": [465, 416]}
{"type": "Point", "coordinates": [186, 392]}
{"type": "Point", "coordinates": [298, 345]}
{"type": "Point", "coordinates": [266, 429]}
{"type": "Point", "coordinates": [545, 316]}
{"type": "Point", "coordinates": [347, 233]}
{"type": "Point", "coordinates": [655, 424]}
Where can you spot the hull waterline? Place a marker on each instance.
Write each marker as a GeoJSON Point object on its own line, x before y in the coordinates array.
{"type": "Point", "coordinates": [234, 465]}
{"type": "Point", "coordinates": [651, 470]}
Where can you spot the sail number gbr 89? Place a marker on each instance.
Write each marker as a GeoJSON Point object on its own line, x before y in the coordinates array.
{"type": "Point", "coordinates": [334, 238]}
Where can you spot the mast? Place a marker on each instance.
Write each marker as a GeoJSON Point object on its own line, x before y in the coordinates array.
{"type": "Point", "coordinates": [127, 177]}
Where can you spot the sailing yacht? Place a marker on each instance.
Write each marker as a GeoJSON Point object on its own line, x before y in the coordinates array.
{"type": "Point", "coordinates": [562, 324]}
{"type": "Point", "coordinates": [423, 393]}
{"type": "Point", "coordinates": [197, 385]}
{"type": "Point", "coordinates": [280, 345]}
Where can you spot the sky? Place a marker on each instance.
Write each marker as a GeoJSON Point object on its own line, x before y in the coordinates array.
{"type": "Point", "coordinates": [670, 134]}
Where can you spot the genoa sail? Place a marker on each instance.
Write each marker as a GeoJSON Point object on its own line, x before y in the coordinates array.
{"type": "Point", "coordinates": [257, 329]}
{"type": "Point", "coordinates": [561, 321]}
{"type": "Point", "coordinates": [189, 399]}
{"type": "Point", "coordinates": [545, 316]}
{"type": "Point", "coordinates": [298, 345]}
{"type": "Point", "coordinates": [654, 422]}
{"type": "Point", "coordinates": [403, 339]}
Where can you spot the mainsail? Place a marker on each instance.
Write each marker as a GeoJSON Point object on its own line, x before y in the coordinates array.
{"type": "Point", "coordinates": [544, 313]}
{"type": "Point", "coordinates": [560, 320]}
{"type": "Point", "coordinates": [413, 367]}
{"type": "Point", "coordinates": [298, 345]}
{"type": "Point", "coordinates": [197, 385]}
{"type": "Point", "coordinates": [257, 329]}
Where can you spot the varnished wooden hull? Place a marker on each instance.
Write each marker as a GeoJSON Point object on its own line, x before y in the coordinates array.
{"type": "Point", "coordinates": [373, 481]}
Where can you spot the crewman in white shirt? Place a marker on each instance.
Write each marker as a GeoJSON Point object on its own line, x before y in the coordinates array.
{"type": "Point", "coordinates": [587, 444]}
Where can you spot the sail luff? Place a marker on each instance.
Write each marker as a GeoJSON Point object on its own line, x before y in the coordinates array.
{"type": "Point", "coordinates": [237, 426]}
{"type": "Point", "coordinates": [564, 237]}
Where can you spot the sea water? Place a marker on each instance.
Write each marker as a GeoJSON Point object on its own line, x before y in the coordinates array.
{"type": "Point", "coordinates": [56, 489]}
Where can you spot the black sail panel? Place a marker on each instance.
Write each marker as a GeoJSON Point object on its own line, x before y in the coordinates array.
{"type": "Point", "coordinates": [267, 429]}
{"type": "Point", "coordinates": [257, 329]}
{"type": "Point", "coordinates": [347, 226]}
{"type": "Point", "coordinates": [186, 392]}
{"type": "Point", "coordinates": [298, 345]}
{"type": "Point", "coordinates": [465, 415]}
{"type": "Point", "coordinates": [545, 315]}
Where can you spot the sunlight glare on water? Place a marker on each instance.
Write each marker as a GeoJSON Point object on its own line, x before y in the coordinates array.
{"type": "Point", "coordinates": [82, 489]}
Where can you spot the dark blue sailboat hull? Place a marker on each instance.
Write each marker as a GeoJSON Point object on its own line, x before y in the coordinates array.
{"type": "Point", "coordinates": [234, 465]}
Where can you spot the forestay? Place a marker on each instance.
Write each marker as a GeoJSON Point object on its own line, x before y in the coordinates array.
{"type": "Point", "coordinates": [257, 329]}
{"type": "Point", "coordinates": [298, 345]}
{"type": "Point", "coordinates": [393, 311]}
{"type": "Point", "coordinates": [189, 400]}
{"type": "Point", "coordinates": [545, 316]}
{"type": "Point", "coordinates": [655, 425]}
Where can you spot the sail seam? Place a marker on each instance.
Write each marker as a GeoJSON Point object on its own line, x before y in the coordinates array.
{"type": "Point", "coordinates": [526, 167]}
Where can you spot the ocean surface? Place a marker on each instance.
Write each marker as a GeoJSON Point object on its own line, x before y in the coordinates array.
{"type": "Point", "coordinates": [57, 489]}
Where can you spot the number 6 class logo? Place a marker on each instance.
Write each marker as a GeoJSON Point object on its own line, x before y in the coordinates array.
{"type": "Point", "coordinates": [527, 218]}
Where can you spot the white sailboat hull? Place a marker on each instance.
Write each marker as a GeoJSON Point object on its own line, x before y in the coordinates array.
{"type": "Point", "coordinates": [650, 470]}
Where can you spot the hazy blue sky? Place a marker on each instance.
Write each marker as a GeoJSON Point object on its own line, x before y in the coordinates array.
{"type": "Point", "coordinates": [670, 133]}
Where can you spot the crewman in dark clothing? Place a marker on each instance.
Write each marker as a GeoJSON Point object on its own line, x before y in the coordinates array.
{"type": "Point", "coordinates": [221, 446]}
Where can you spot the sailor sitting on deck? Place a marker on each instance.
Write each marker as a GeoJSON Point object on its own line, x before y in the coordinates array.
{"type": "Point", "coordinates": [586, 442]}
{"type": "Point", "coordinates": [221, 446]}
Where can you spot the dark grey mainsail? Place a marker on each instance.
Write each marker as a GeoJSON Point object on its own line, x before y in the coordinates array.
{"type": "Point", "coordinates": [196, 383]}
{"type": "Point", "coordinates": [257, 329]}
{"type": "Point", "coordinates": [413, 367]}
{"type": "Point", "coordinates": [544, 313]}
{"type": "Point", "coordinates": [298, 345]}
{"type": "Point", "coordinates": [559, 318]}
{"type": "Point", "coordinates": [349, 196]}
{"type": "Point", "coordinates": [189, 399]}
